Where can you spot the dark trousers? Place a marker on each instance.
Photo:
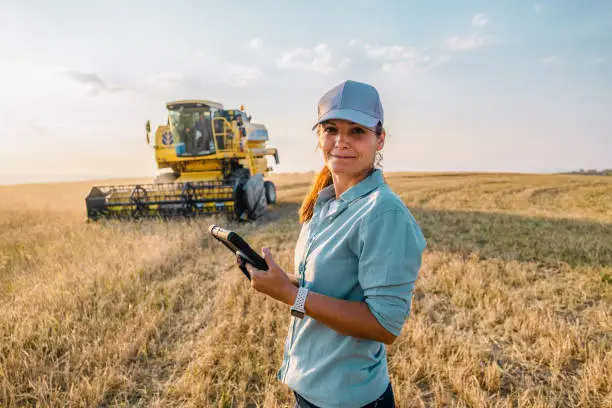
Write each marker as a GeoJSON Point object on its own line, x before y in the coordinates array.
{"type": "Point", "coordinates": [386, 400]}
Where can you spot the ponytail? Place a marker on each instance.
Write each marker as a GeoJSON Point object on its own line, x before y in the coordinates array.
{"type": "Point", "coordinates": [322, 180]}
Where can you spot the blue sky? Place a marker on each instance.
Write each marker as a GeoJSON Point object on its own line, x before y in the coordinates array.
{"type": "Point", "coordinates": [466, 85]}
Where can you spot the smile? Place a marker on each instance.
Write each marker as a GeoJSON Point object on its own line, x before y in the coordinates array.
{"type": "Point", "coordinates": [342, 157]}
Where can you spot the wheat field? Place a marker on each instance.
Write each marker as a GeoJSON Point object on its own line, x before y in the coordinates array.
{"type": "Point", "coordinates": [512, 307]}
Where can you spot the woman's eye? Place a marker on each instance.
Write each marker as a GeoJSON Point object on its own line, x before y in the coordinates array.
{"type": "Point", "coordinates": [330, 129]}
{"type": "Point", "coordinates": [358, 131]}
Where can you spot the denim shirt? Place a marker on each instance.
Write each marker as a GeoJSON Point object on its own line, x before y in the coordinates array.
{"type": "Point", "coordinates": [368, 249]}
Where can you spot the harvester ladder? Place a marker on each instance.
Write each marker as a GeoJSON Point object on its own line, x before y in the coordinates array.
{"type": "Point", "coordinates": [251, 159]}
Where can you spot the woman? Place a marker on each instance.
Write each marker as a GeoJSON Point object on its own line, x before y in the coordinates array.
{"type": "Point", "coordinates": [357, 258]}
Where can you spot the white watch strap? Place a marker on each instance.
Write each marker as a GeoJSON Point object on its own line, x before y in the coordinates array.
{"type": "Point", "coordinates": [300, 300]}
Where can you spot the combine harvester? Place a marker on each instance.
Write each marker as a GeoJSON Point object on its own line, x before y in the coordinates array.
{"type": "Point", "coordinates": [218, 162]}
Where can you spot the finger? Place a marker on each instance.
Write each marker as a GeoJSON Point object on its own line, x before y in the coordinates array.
{"type": "Point", "coordinates": [267, 255]}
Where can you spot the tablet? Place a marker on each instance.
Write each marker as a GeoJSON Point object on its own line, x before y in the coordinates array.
{"type": "Point", "coordinates": [239, 247]}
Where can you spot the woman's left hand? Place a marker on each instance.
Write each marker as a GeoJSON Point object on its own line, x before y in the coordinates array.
{"type": "Point", "coordinates": [274, 282]}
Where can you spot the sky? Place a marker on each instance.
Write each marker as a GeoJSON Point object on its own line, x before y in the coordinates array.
{"type": "Point", "coordinates": [517, 86]}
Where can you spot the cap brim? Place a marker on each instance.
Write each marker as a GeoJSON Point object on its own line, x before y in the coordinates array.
{"type": "Point", "coordinates": [350, 115]}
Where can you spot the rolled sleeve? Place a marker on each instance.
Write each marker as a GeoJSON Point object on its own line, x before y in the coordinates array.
{"type": "Point", "coordinates": [391, 248]}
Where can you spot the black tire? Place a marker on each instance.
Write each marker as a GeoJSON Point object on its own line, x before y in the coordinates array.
{"type": "Point", "coordinates": [270, 192]}
{"type": "Point", "coordinates": [240, 205]}
{"type": "Point", "coordinates": [259, 210]}
{"type": "Point", "coordinates": [238, 178]}
{"type": "Point", "coordinates": [254, 197]}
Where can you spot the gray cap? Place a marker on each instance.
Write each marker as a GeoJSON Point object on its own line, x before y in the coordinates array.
{"type": "Point", "coordinates": [353, 101]}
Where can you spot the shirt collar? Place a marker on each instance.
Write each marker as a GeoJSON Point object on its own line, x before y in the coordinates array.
{"type": "Point", "coordinates": [360, 189]}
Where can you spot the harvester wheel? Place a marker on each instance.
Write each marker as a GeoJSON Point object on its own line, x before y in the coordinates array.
{"type": "Point", "coordinates": [259, 209]}
{"type": "Point", "coordinates": [254, 197]}
{"type": "Point", "coordinates": [240, 177]}
{"type": "Point", "coordinates": [270, 192]}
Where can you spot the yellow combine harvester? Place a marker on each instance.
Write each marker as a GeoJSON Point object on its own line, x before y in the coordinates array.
{"type": "Point", "coordinates": [217, 159]}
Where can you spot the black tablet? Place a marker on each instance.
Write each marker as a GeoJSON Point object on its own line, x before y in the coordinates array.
{"type": "Point", "coordinates": [239, 247]}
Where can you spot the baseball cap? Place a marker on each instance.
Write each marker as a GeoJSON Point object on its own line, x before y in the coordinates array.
{"type": "Point", "coordinates": [351, 100]}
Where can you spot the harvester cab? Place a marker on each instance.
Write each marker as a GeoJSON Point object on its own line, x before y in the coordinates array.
{"type": "Point", "coordinates": [191, 126]}
{"type": "Point", "coordinates": [215, 161]}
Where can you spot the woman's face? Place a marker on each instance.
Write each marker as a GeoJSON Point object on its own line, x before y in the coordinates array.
{"type": "Point", "coordinates": [348, 148]}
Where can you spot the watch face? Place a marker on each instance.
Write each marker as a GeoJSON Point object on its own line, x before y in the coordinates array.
{"type": "Point", "coordinates": [297, 314]}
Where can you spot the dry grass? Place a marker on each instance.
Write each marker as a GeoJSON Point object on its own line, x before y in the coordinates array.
{"type": "Point", "coordinates": [512, 308]}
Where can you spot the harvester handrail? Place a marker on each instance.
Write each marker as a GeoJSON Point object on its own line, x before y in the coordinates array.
{"type": "Point", "coordinates": [230, 145]}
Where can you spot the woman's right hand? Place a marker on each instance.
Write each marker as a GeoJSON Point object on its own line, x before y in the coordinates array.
{"type": "Point", "coordinates": [274, 282]}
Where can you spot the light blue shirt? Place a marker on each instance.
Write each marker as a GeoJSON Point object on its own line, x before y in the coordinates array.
{"type": "Point", "coordinates": [368, 248]}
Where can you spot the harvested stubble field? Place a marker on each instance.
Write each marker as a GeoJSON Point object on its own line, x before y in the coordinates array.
{"type": "Point", "coordinates": [512, 307]}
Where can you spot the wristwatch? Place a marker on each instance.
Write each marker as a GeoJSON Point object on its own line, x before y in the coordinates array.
{"type": "Point", "coordinates": [297, 310]}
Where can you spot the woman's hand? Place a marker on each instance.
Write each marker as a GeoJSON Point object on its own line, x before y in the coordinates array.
{"type": "Point", "coordinates": [349, 317]}
{"type": "Point", "coordinates": [274, 282]}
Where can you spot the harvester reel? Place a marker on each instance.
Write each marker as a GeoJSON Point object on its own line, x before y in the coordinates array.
{"type": "Point", "coordinates": [165, 200]}
{"type": "Point", "coordinates": [188, 194]}
{"type": "Point", "coordinates": [139, 198]}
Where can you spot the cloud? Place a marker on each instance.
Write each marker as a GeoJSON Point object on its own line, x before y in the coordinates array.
{"type": "Point", "coordinates": [255, 43]}
{"type": "Point", "coordinates": [537, 7]}
{"type": "Point", "coordinates": [318, 59]}
{"type": "Point", "coordinates": [547, 60]}
{"type": "Point", "coordinates": [344, 63]}
{"type": "Point", "coordinates": [354, 41]}
{"type": "Point", "coordinates": [164, 80]}
{"type": "Point", "coordinates": [469, 43]}
{"type": "Point", "coordinates": [480, 20]}
{"type": "Point", "coordinates": [221, 72]}
{"type": "Point", "coordinates": [240, 75]}
{"type": "Point", "coordinates": [95, 83]}
{"type": "Point", "coordinates": [402, 60]}
{"type": "Point", "coordinates": [87, 78]}
{"type": "Point", "coordinates": [474, 41]}
{"type": "Point", "coordinates": [392, 52]}
{"type": "Point", "coordinates": [422, 63]}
